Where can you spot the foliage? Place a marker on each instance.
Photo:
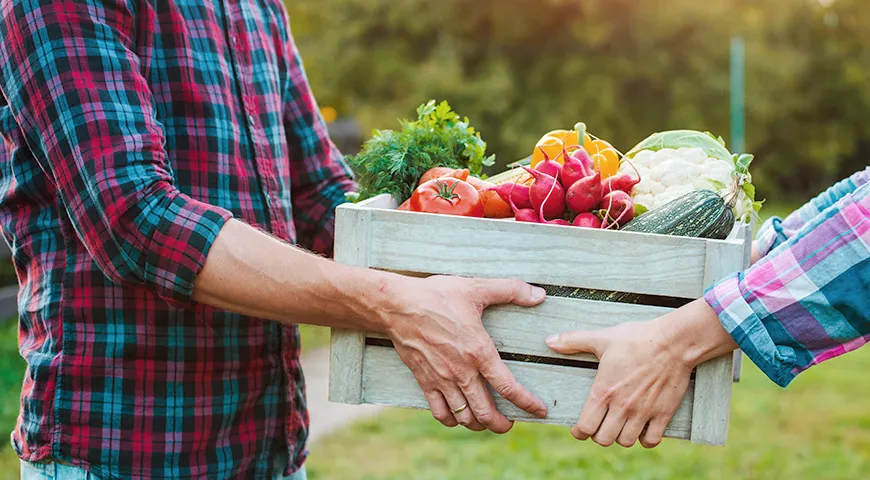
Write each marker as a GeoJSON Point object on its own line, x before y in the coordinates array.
{"type": "Point", "coordinates": [393, 161]}
{"type": "Point", "coordinates": [520, 68]}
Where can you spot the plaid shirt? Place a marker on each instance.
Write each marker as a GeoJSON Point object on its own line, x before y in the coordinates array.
{"type": "Point", "coordinates": [808, 299]}
{"type": "Point", "coordinates": [133, 130]}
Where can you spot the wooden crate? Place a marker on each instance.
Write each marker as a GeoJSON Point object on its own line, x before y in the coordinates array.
{"type": "Point", "coordinates": [363, 369]}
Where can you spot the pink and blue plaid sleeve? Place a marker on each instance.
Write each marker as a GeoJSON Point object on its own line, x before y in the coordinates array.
{"type": "Point", "coordinates": [319, 175]}
{"type": "Point", "coordinates": [807, 301]}
{"type": "Point", "coordinates": [776, 231]}
{"type": "Point", "coordinates": [73, 84]}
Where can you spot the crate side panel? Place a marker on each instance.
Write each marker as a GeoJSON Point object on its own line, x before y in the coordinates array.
{"type": "Point", "coordinates": [544, 254]}
{"type": "Point", "coordinates": [522, 330]}
{"type": "Point", "coordinates": [389, 382]}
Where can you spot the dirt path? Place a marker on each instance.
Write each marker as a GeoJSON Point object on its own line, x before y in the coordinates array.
{"type": "Point", "coordinates": [327, 417]}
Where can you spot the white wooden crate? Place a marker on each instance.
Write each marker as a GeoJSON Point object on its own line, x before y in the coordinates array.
{"type": "Point", "coordinates": [373, 234]}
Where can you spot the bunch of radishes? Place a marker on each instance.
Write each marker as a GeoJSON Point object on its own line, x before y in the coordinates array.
{"type": "Point", "coordinates": [572, 193]}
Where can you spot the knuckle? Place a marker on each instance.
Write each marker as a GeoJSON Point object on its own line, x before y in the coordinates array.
{"type": "Point", "coordinates": [505, 389]}
{"type": "Point", "coordinates": [625, 442]}
{"type": "Point", "coordinates": [647, 443]}
{"type": "Point", "coordinates": [586, 429]}
{"type": "Point", "coordinates": [441, 416]}
{"type": "Point", "coordinates": [485, 417]}
{"type": "Point", "coordinates": [604, 442]}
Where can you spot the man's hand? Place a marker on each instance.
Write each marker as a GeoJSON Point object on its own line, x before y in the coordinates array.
{"type": "Point", "coordinates": [643, 372]}
{"type": "Point", "coordinates": [436, 329]}
{"type": "Point", "coordinates": [434, 322]}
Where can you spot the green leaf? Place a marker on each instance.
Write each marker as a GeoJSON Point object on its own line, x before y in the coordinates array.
{"type": "Point", "coordinates": [742, 163]}
{"type": "Point", "coordinates": [683, 139]}
{"type": "Point", "coordinates": [749, 190]}
{"type": "Point", "coordinates": [639, 210]}
{"type": "Point", "coordinates": [489, 161]}
{"type": "Point", "coordinates": [717, 185]}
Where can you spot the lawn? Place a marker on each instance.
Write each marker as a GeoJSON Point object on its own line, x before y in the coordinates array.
{"type": "Point", "coordinates": [819, 427]}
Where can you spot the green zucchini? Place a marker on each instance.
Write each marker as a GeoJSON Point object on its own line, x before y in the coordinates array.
{"type": "Point", "coordinates": [700, 214]}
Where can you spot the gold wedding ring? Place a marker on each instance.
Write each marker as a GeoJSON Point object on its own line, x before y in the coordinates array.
{"type": "Point", "coordinates": [460, 409]}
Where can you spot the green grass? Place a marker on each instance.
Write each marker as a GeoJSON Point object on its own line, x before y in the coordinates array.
{"type": "Point", "coordinates": [817, 428]}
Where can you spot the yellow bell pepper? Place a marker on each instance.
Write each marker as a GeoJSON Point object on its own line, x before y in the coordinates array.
{"type": "Point", "coordinates": [604, 156]}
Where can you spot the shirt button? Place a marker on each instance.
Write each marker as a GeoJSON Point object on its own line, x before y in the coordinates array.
{"type": "Point", "coordinates": [251, 120]}
{"type": "Point", "coordinates": [235, 40]}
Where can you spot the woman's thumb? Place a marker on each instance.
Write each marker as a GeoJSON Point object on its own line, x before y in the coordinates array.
{"type": "Point", "coordinates": [578, 341]}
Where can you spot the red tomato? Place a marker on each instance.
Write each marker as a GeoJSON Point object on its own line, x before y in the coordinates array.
{"type": "Point", "coordinates": [438, 172]}
{"type": "Point", "coordinates": [448, 196]}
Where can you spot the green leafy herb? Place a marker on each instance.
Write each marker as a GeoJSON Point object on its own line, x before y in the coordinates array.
{"type": "Point", "coordinates": [393, 161]}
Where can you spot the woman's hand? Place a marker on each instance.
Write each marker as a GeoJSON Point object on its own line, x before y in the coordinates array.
{"type": "Point", "coordinates": [643, 372]}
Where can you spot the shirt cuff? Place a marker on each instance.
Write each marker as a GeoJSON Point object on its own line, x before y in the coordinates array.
{"type": "Point", "coordinates": [769, 235]}
{"type": "Point", "coordinates": [750, 331]}
{"type": "Point", "coordinates": [180, 246]}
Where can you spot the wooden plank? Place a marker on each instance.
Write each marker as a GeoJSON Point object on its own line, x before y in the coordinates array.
{"type": "Point", "coordinates": [440, 244]}
{"type": "Point", "coordinates": [713, 379]}
{"type": "Point", "coordinates": [346, 349]}
{"type": "Point", "coordinates": [387, 381]}
{"type": "Point", "coordinates": [523, 330]}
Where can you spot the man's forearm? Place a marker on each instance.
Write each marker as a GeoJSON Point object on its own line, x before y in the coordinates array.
{"type": "Point", "coordinates": [249, 272]}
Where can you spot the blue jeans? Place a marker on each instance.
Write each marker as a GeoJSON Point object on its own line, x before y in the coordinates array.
{"type": "Point", "coordinates": [58, 471]}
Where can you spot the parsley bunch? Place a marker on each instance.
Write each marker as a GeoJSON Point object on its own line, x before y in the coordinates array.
{"type": "Point", "coordinates": [393, 161]}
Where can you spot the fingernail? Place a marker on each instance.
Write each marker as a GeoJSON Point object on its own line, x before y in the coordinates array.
{"type": "Point", "coordinates": [552, 340]}
{"type": "Point", "coordinates": [538, 293]}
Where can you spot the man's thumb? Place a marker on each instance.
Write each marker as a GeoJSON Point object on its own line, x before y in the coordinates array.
{"type": "Point", "coordinates": [578, 341]}
{"type": "Point", "coordinates": [497, 292]}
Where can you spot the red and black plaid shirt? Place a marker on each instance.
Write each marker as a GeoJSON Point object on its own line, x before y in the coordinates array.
{"type": "Point", "coordinates": [132, 131]}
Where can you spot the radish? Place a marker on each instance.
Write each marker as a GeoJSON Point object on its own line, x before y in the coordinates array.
{"type": "Point", "coordinates": [585, 194]}
{"type": "Point", "coordinates": [550, 206]}
{"type": "Point", "coordinates": [577, 166]}
{"type": "Point", "coordinates": [550, 167]}
{"type": "Point", "coordinates": [587, 220]}
{"type": "Point", "coordinates": [514, 192]}
{"type": "Point", "coordinates": [527, 215]}
{"type": "Point", "coordinates": [618, 209]}
{"type": "Point", "coordinates": [621, 182]}
{"type": "Point", "coordinates": [559, 221]}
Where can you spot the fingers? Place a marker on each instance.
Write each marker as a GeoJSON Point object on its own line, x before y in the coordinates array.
{"type": "Point", "coordinates": [440, 410]}
{"type": "Point", "coordinates": [655, 431]}
{"type": "Point", "coordinates": [578, 341]}
{"type": "Point", "coordinates": [502, 380]}
{"type": "Point", "coordinates": [497, 292]}
{"type": "Point", "coordinates": [480, 402]}
{"type": "Point", "coordinates": [590, 418]}
{"type": "Point", "coordinates": [631, 431]}
{"type": "Point", "coordinates": [456, 400]}
{"type": "Point", "coordinates": [613, 422]}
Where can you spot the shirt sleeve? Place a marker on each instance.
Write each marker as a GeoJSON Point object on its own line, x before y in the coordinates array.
{"type": "Point", "coordinates": [72, 82]}
{"type": "Point", "coordinates": [806, 301]}
{"type": "Point", "coordinates": [775, 231]}
{"type": "Point", "coordinates": [319, 175]}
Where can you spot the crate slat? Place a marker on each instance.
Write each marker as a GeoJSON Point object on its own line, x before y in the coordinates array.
{"type": "Point", "coordinates": [564, 390]}
{"type": "Point", "coordinates": [636, 263]}
{"type": "Point", "coordinates": [522, 330]}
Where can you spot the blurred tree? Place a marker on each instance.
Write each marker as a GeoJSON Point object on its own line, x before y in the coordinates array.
{"type": "Point", "coordinates": [627, 68]}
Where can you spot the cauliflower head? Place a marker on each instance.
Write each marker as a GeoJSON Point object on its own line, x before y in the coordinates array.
{"type": "Point", "coordinates": [672, 164]}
